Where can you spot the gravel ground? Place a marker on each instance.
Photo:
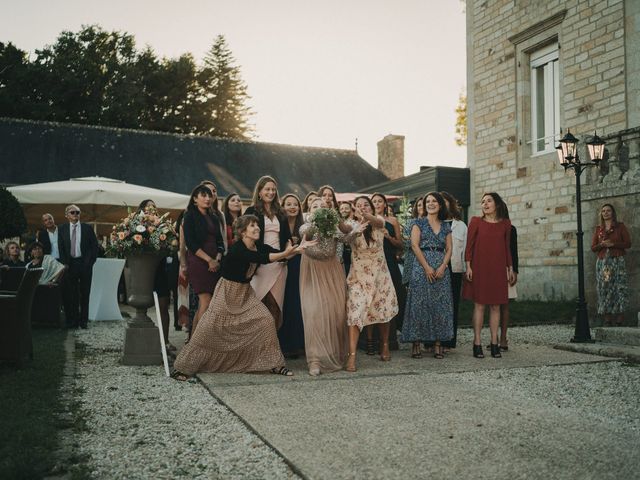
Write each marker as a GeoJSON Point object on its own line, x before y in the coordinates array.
{"type": "Point", "coordinates": [141, 424]}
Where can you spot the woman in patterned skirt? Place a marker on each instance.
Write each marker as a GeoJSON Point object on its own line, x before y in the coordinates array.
{"type": "Point", "coordinates": [237, 332]}
{"type": "Point", "coordinates": [370, 295]}
{"type": "Point", "coordinates": [610, 240]}
{"type": "Point", "coordinates": [429, 310]}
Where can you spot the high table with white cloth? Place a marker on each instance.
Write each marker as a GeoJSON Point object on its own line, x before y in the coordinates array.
{"type": "Point", "coordinates": [103, 300]}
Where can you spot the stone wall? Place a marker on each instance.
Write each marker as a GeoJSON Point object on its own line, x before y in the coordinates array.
{"type": "Point", "coordinates": [391, 156]}
{"type": "Point", "coordinates": [594, 39]}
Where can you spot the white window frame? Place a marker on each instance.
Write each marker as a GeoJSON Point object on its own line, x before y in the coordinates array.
{"type": "Point", "coordinates": [546, 58]}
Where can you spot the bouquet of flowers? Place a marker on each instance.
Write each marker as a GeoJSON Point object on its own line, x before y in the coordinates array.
{"type": "Point", "coordinates": [143, 232]}
{"type": "Point", "coordinates": [325, 222]}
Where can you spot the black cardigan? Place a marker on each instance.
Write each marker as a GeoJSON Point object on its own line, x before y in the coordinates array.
{"type": "Point", "coordinates": [239, 259]}
{"type": "Point", "coordinates": [285, 233]}
{"type": "Point", "coordinates": [194, 226]}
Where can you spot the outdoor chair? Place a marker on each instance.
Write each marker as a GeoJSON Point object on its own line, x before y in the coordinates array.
{"type": "Point", "coordinates": [10, 278]}
{"type": "Point", "coordinates": [15, 320]}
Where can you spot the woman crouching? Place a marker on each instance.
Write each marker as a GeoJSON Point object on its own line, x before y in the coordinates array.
{"type": "Point", "coordinates": [237, 333]}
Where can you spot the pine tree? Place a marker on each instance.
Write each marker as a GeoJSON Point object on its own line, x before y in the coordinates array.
{"type": "Point", "coordinates": [224, 95]}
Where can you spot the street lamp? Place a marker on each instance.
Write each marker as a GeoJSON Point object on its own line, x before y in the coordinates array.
{"type": "Point", "coordinates": [569, 159]}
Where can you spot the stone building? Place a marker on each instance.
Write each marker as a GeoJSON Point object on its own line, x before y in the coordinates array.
{"type": "Point", "coordinates": [536, 68]}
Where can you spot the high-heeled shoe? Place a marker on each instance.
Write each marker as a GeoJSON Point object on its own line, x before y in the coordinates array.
{"type": "Point", "coordinates": [384, 347]}
{"type": "Point", "coordinates": [351, 362]}
{"type": "Point", "coordinates": [371, 347]}
{"type": "Point", "coordinates": [495, 350]}
{"type": "Point", "coordinates": [477, 351]}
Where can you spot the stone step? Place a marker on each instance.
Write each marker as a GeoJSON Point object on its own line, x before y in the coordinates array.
{"type": "Point", "coordinates": [629, 353]}
{"type": "Point", "coordinates": [618, 335]}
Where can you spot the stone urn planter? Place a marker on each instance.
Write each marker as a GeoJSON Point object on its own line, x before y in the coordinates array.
{"type": "Point", "coordinates": [142, 341]}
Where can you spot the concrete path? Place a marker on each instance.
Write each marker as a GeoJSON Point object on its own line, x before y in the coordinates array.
{"type": "Point", "coordinates": [456, 418]}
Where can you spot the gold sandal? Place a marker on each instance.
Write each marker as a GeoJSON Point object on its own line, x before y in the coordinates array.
{"type": "Point", "coordinates": [351, 367]}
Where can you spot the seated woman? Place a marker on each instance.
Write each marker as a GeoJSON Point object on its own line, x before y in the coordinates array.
{"type": "Point", "coordinates": [237, 333]}
{"type": "Point", "coordinates": [52, 269]}
{"type": "Point", "coordinates": [12, 256]}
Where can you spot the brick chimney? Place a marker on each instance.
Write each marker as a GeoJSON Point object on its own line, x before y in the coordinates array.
{"type": "Point", "coordinates": [391, 156]}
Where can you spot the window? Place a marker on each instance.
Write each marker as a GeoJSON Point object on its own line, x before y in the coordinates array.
{"type": "Point", "coordinates": [545, 98]}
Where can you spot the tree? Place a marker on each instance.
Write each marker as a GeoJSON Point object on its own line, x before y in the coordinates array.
{"type": "Point", "coordinates": [461, 120]}
{"type": "Point", "coordinates": [224, 94]}
{"type": "Point", "coordinates": [12, 220]}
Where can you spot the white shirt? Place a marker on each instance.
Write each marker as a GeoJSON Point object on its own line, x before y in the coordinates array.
{"type": "Point", "coordinates": [78, 237]}
{"type": "Point", "coordinates": [53, 239]}
{"type": "Point", "coordinates": [459, 245]}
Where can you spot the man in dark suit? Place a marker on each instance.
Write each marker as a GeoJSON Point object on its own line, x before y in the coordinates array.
{"type": "Point", "coordinates": [48, 236]}
{"type": "Point", "coordinates": [78, 248]}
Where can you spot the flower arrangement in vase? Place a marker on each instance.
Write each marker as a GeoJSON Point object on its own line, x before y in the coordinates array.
{"type": "Point", "coordinates": [143, 232]}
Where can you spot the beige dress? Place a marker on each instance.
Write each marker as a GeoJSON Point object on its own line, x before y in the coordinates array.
{"type": "Point", "coordinates": [323, 298]}
{"type": "Point", "coordinates": [371, 297]}
{"type": "Point", "coordinates": [273, 276]}
{"type": "Point", "coordinates": [236, 334]}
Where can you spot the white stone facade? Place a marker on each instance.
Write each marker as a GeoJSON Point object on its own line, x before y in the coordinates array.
{"type": "Point", "coordinates": [598, 60]}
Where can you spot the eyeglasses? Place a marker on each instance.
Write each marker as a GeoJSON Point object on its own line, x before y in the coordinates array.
{"type": "Point", "coordinates": [74, 212]}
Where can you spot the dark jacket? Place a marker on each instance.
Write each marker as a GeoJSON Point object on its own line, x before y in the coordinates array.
{"type": "Point", "coordinates": [239, 258]}
{"type": "Point", "coordinates": [285, 233]}
{"type": "Point", "coordinates": [88, 244]}
{"type": "Point", "coordinates": [514, 248]}
{"type": "Point", "coordinates": [195, 231]}
{"type": "Point", "coordinates": [43, 237]}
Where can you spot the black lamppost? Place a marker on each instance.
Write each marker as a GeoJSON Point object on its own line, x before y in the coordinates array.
{"type": "Point", "coordinates": [570, 159]}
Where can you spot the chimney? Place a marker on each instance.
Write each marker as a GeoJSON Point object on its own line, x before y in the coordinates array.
{"type": "Point", "coordinates": [391, 156]}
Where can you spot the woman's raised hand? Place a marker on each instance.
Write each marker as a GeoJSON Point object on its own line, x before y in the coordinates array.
{"type": "Point", "coordinates": [305, 244]}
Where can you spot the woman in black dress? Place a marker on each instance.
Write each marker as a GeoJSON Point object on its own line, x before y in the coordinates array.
{"type": "Point", "coordinates": [205, 247]}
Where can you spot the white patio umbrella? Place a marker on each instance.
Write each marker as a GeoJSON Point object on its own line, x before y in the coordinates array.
{"type": "Point", "coordinates": [103, 201]}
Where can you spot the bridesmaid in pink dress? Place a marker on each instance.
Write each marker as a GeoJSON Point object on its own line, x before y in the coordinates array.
{"type": "Point", "coordinates": [269, 281]}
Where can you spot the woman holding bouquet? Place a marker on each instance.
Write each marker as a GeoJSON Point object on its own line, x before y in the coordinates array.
{"type": "Point", "coordinates": [237, 333]}
{"type": "Point", "coordinates": [269, 282]}
{"type": "Point", "coordinates": [323, 292]}
{"type": "Point", "coordinates": [371, 298]}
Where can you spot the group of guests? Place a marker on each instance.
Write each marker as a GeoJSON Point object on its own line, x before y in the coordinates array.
{"type": "Point", "coordinates": [66, 254]}
{"type": "Point", "coordinates": [271, 284]}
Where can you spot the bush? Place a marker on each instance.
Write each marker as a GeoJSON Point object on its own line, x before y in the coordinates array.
{"type": "Point", "coordinates": [12, 220]}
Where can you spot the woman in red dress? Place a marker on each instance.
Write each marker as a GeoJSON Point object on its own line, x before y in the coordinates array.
{"type": "Point", "coordinates": [489, 268]}
{"type": "Point", "coordinates": [231, 209]}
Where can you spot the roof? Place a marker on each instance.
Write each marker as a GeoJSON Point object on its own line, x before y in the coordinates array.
{"type": "Point", "coordinates": [34, 152]}
{"type": "Point", "coordinates": [450, 179]}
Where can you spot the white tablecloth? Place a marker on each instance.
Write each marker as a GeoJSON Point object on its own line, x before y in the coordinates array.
{"type": "Point", "coordinates": [103, 300]}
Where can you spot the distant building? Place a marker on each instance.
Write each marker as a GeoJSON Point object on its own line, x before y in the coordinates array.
{"type": "Point", "coordinates": [35, 152]}
{"type": "Point", "coordinates": [535, 68]}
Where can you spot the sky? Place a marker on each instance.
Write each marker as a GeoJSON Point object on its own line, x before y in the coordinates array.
{"type": "Point", "coordinates": [320, 73]}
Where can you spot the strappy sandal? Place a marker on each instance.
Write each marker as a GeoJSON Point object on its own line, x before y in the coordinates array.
{"type": "Point", "coordinates": [415, 351]}
{"type": "Point", "coordinates": [181, 377]}
{"type": "Point", "coordinates": [495, 350]}
{"type": "Point", "coordinates": [477, 351]}
{"type": "Point", "coordinates": [371, 347]}
{"type": "Point", "coordinates": [282, 371]}
{"type": "Point", "coordinates": [387, 357]}
{"type": "Point", "coordinates": [438, 353]}
{"type": "Point", "coordinates": [351, 366]}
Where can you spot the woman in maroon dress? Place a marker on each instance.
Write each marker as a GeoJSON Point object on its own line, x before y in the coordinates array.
{"type": "Point", "coordinates": [202, 235]}
{"type": "Point", "coordinates": [489, 268]}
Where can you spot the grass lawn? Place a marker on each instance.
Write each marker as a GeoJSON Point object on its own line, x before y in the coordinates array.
{"type": "Point", "coordinates": [527, 312]}
{"type": "Point", "coordinates": [30, 403]}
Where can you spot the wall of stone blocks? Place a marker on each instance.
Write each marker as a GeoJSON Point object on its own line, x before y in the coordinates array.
{"type": "Point", "coordinates": [595, 37]}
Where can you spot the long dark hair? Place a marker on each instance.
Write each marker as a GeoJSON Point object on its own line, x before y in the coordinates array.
{"type": "Point", "coordinates": [225, 208]}
{"type": "Point", "coordinates": [613, 213]}
{"type": "Point", "coordinates": [299, 218]}
{"type": "Point", "coordinates": [333, 194]}
{"type": "Point", "coordinates": [502, 212]}
{"type": "Point", "coordinates": [384, 199]}
{"type": "Point", "coordinates": [443, 214]}
{"type": "Point", "coordinates": [305, 203]}
{"type": "Point", "coordinates": [194, 194]}
{"type": "Point", "coordinates": [257, 202]}
{"type": "Point", "coordinates": [214, 205]}
{"type": "Point", "coordinates": [368, 231]}
{"type": "Point", "coordinates": [414, 208]}
{"type": "Point", "coordinates": [143, 204]}
{"type": "Point", "coordinates": [454, 209]}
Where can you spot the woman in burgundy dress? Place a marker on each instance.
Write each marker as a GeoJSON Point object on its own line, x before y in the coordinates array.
{"type": "Point", "coordinates": [489, 268]}
{"type": "Point", "coordinates": [202, 235]}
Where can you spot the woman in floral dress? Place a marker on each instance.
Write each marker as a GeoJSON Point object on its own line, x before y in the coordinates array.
{"type": "Point", "coordinates": [429, 310]}
{"type": "Point", "coordinates": [371, 298]}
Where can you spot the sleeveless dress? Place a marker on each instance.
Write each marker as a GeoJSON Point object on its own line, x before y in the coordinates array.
{"type": "Point", "coordinates": [291, 334]}
{"type": "Point", "coordinates": [200, 278]}
{"type": "Point", "coordinates": [429, 311]}
{"type": "Point", "coordinates": [273, 276]}
{"type": "Point", "coordinates": [370, 294]}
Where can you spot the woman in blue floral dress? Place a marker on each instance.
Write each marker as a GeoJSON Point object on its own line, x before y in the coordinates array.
{"type": "Point", "coordinates": [429, 310]}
